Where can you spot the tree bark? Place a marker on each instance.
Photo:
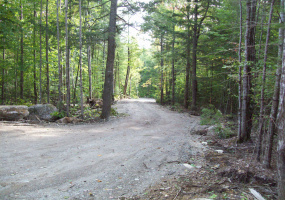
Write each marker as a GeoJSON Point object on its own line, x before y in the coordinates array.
{"type": "Point", "coordinates": [34, 54]}
{"type": "Point", "coordinates": [276, 94]}
{"type": "Point", "coordinates": [22, 57]}
{"type": "Point", "coordinates": [80, 60]}
{"type": "Point", "coordinates": [196, 34]}
{"type": "Point", "coordinates": [194, 58]}
{"type": "Point", "coordinates": [3, 79]}
{"type": "Point", "coordinates": [239, 75]}
{"type": "Point", "coordinates": [89, 68]}
{"type": "Point", "coordinates": [161, 65]}
{"type": "Point", "coordinates": [108, 85]}
{"type": "Point", "coordinates": [187, 78]}
{"type": "Point", "coordinates": [128, 72]}
{"type": "Point", "coordinates": [58, 60]}
{"type": "Point", "coordinates": [247, 107]}
{"type": "Point", "coordinates": [47, 65]}
{"type": "Point", "coordinates": [261, 113]}
{"type": "Point", "coordinates": [281, 124]}
{"type": "Point", "coordinates": [67, 60]}
{"type": "Point", "coordinates": [41, 14]}
{"type": "Point", "coordinates": [173, 67]}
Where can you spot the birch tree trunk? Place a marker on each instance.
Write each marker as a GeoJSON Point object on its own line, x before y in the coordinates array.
{"type": "Point", "coordinates": [108, 85]}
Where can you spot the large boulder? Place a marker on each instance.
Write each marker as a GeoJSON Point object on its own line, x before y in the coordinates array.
{"type": "Point", "coordinates": [42, 111]}
{"type": "Point", "coordinates": [13, 113]}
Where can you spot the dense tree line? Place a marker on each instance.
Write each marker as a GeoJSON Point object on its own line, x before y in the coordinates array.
{"type": "Point", "coordinates": [226, 53]}
{"type": "Point", "coordinates": [51, 48]}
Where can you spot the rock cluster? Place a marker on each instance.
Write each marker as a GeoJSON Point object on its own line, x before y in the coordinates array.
{"type": "Point", "coordinates": [39, 112]}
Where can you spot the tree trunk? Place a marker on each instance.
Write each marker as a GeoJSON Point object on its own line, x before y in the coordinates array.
{"type": "Point", "coordinates": [58, 60]}
{"type": "Point", "coordinates": [161, 65]}
{"type": "Point", "coordinates": [194, 58]}
{"type": "Point", "coordinates": [48, 92]}
{"type": "Point", "coordinates": [276, 94]}
{"type": "Point", "coordinates": [3, 79]}
{"type": "Point", "coordinates": [89, 56]}
{"type": "Point", "coordinates": [119, 80]}
{"type": "Point", "coordinates": [22, 57]}
{"type": "Point", "coordinates": [173, 67]}
{"type": "Point", "coordinates": [239, 75]}
{"type": "Point", "coordinates": [34, 54]}
{"type": "Point", "coordinates": [89, 68]}
{"type": "Point", "coordinates": [103, 61]}
{"type": "Point", "coordinates": [41, 14]}
{"type": "Point", "coordinates": [80, 60]}
{"type": "Point", "coordinates": [196, 34]}
{"type": "Point", "coordinates": [261, 29]}
{"type": "Point", "coordinates": [67, 60]}
{"type": "Point", "coordinates": [261, 113]}
{"type": "Point", "coordinates": [247, 107]}
{"type": "Point", "coordinates": [187, 78]}
{"type": "Point", "coordinates": [130, 86]}
{"type": "Point", "coordinates": [75, 85]}
{"type": "Point", "coordinates": [281, 124]}
{"type": "Point", "coordinates": [108, 85]}
{"type": "Point", "coordinates": [128, 72]}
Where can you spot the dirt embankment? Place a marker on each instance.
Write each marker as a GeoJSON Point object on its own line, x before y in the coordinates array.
{"type": "Point", "coordinates": [118, 158]}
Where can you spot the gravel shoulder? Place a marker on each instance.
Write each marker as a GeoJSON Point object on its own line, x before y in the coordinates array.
{"type": "Point", "coordinates": [118, 158]}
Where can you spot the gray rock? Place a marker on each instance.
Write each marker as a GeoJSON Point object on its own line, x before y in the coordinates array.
{"type": "Point", "coordinates": [42, 111]}
{"type": "Point", "coordinates": [13, 113]}
{"type": "Point", "coordinates": [211, 130]}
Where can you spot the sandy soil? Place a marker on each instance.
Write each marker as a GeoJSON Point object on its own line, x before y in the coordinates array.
{"type": "Point", "coordinates": [118, 158]}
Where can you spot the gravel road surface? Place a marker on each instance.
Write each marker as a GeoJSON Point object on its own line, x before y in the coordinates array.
{"type": "Point", "coordinates": [108, 160]}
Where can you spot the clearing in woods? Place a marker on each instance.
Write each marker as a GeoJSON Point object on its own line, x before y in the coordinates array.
{"type": "Point", "coordinates": [118, 158]}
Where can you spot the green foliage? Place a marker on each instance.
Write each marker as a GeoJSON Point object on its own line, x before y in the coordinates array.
{"type": "Point", "coordinates": [211, 116]}
{"type": "Point", "coordinates": [91, 113]}
{"type": "Point", "coordinates": [114, 112]}
{"type": "Point", "coordinates": [58, 115]}
{"type": "Point", "coordinates": [23, 102]}
{"type": "Point", "coordinates": [223, 132]}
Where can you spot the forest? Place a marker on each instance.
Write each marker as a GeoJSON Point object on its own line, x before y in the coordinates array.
{"type": "Point", "coordinates": [225, 55]}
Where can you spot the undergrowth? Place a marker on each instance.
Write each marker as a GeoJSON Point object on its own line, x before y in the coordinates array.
{"type": "Point", "coordinates": [213, 116]}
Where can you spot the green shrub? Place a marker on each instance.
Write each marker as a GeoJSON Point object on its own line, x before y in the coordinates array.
{"type": "Point", "coordinates": [223, 132]}
{"type": "Point", "coordinates": [91, 113]}
{"type": "Point", "coordinates": [211, 116]}
{"type": "Point", "coordinates": [114, 112]}
{"type": "Point", "coordinates": [58, 115]}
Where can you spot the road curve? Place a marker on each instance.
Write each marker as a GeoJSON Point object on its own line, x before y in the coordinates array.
{"type": "Point", "coordinates": [121, 157]}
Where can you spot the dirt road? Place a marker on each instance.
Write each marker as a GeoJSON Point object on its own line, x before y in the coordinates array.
{"type": "Point", "coordinates": [121, 157]}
